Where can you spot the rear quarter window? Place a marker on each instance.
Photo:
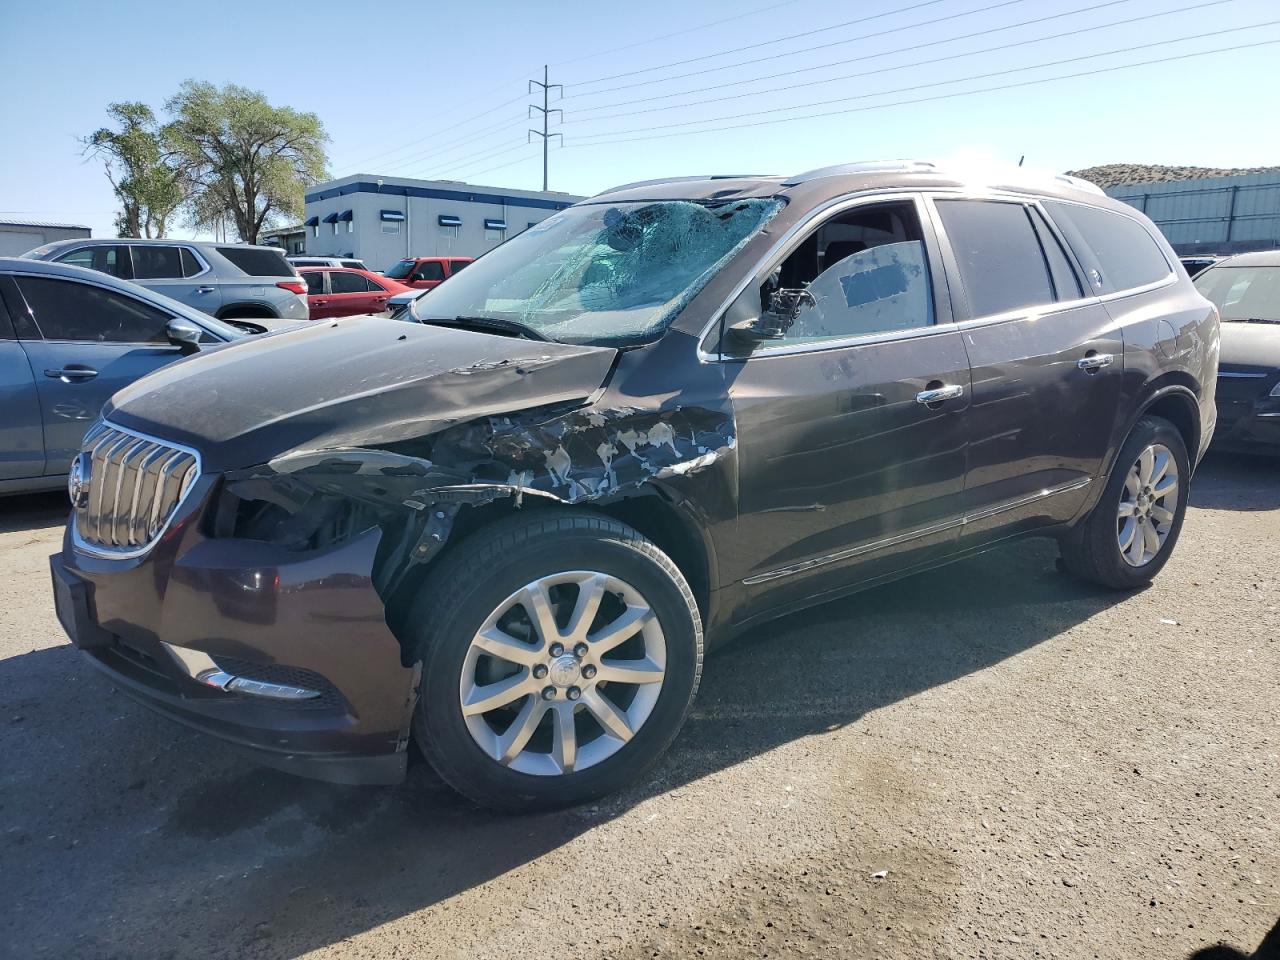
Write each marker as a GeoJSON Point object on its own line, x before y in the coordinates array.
{"type": "Point", "coordinates": [258, 263]}
{"type": "Point", "coordinates": [1125, 252]}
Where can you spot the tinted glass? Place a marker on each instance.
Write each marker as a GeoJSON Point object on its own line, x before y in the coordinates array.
{"type": "Point", "coordinates": [67, 310]}
{"type": "Point", "coordinates": [1243, 293]}
{"type": "Point", "coordinates": [347, 282]}
{"type": "Point", "coordinates": [353, 264]}
{"type": "Point", "coordinates": [456, 265]}
{"type": "Point", "coordinates": [400, 270]}
{"type": "Point", "coordinates": [998, 253]}
{"type": "Point", "coordinates": [258, 263]}
{"type": "Point", "coordinates": [308, 263]}
{"type": "Point", "coordinates": [105, 259]}
{"type": "Point", "coordinates": [1065, 283]}
{"type": "Point", "coordinates": [315, 282]}
{"type": "Point", "coordinates": [190, 265]}
{"type": "Point", "coordinates": [157, 263]}
{"type": "Point", "coordinates": [1127, 254]}
{"type": "Point", "coordinates": [431, 270]}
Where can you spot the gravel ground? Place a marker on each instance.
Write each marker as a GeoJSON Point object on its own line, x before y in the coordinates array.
{"type": "Point", "coordinates": [990, 760]}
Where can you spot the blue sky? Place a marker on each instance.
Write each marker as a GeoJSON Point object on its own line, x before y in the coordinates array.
{"type": "Point", "coordinates": [437, 90]}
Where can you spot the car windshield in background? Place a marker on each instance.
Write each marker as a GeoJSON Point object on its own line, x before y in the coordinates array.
{"type": "Point", "coordinates": [607, 274]}
{"type": "Point", "coordinates": [1243, 293]}
{"type": "Point", "coordinates": [400, 270]}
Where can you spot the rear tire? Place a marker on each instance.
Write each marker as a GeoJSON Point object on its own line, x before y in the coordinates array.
{"type": "Point", "coordinates": [1130, 534]}
{"type": "Point", "coordinates": [578, 722]}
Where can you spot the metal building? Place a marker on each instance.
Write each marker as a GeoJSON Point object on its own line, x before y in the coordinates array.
{"type": "Point", "coordinates": [19, 236]}
{"type": "Point", "coordinates": [1214, 214]}
{"type": "Point", "coordinates": [383, 219]}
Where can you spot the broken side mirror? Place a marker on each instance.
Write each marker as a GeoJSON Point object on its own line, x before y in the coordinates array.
{"type": "Point", "coordinates": [774, 323]}
{"type": "Point", "coordinates": [184, 334]}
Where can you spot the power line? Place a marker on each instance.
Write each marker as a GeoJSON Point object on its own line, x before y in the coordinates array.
{"type": "Point", "coordinates": [919, 46]}
{"type": "Point", "coordinates": [938, 83]}
{"type": "Point", "coordinates": [795, 36]}
{"type": "Point", "coordinates": [932, 99]}
{"type": "Point", "coordinates": [901, 66]}
{"type": "Point", "coordinates": [677, 33]}
{"type": "Point", "coordinates": [419, 159]}
{"type": "Point", "coordinates": [500, 166]}
{"type": "Point", "coordinates": [479, 156]}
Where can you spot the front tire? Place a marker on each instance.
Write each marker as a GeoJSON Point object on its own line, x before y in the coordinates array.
{"type": "Point", "coordinates": [1129, 535]}
{"type": "Point", "coordinates": [561, 652]}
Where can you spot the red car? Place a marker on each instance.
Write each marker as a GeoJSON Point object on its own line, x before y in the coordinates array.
{"type": "Point", "coordinates": [345, 291]}
{"type": "Point", "coordinates": [423, 273]}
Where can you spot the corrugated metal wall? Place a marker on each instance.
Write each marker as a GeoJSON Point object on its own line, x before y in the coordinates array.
{"type": "Point", "coordinates": [1215, 215]}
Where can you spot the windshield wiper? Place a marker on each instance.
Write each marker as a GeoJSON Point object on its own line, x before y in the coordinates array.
{"type": "Point", "coordinates": [489, 325]}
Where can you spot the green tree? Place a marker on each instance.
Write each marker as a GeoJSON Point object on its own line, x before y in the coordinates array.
{"type": "Point", "coordinates": [148, 188]}
{"type": "Point", "coordinates": [242, 158]}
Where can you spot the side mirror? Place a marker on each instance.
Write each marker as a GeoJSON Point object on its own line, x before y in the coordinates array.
{"type": "Point", "coordinates": [184, 334]}
{"type": "Point", "coordinates": [773, 324]}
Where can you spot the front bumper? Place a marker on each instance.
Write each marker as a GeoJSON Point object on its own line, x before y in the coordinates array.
{"type": "Point", "coordinates": [1248, 426]}
{"type": "Point", "coordinates": [308, 619]}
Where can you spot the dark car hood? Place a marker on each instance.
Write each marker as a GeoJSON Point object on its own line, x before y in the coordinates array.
{"type": "Point", "coordinates": [1250, 345]}
{"type": "Point", "coordinates": [354, 382]}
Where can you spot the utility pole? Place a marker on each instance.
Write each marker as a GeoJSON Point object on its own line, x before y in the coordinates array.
{"type": "Point", "coordinates": [546, 112]}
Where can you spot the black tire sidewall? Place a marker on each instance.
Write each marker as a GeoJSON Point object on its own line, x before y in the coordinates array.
{"type": "Point", "coordinates": [1114, 568]}
{"type": "Point", "coordinates": [449, 743]}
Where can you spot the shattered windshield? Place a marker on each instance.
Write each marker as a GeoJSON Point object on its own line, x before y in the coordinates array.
{"type": "Point", "coordinates": [602, 273]}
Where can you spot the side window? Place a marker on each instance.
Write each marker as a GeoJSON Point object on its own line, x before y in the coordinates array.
{"type": "Point", "coordinates": [430, 270]}
{"type": "Point", "coordinates": [315, 282]}
{"type": "Point", "coordinates": [190, 265]}
{"type": "Point", "coordinates": [1126, 253]}
{"type": "Point", "coordinates": [68, 310]}
{"type": "Point", "coordinates": [110, 259]}
{"type": "Point", "coordinates": [1001, 264]}
{"type": "Point", "coordinates": [156, 263]}
{"type": "Point", "coordinates": [340, 282]}
{"type": "Point", "coordinates": [861, 272]}
{"type": "Point", "coordinates": [456, 265]}
{"type": "Point", "coordinates": [1065, 282]}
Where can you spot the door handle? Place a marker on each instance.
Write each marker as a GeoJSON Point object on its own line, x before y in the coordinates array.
{"type": "Point", "coordinates": [205, 289]}
{"type": "Point", "coordinates": [71, 374]}
{"type": "Point", "coordinates": [937, 395]}
{"type": "Point", "coordinates": [318, 303]}
{"type": "Point", "coordinates": [1094, 362]}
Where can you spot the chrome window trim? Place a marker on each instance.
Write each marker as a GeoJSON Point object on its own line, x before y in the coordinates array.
{"type": "Point", "coordinates": [917, 533]}
{"type": "Point", "coordinates": [129, 553]}
{"type": "Point", "coordinates": [925, 196]}
{"type": "Point", "coordinates": [1233, 375]}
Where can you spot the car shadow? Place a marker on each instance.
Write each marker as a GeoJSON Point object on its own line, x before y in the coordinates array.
{"type": "Point", "coordinates": [32, 511]}
{"type": "Point", "coordinates": [1241, 482]}
{"type": "Point", "coordinates": [134, 837]}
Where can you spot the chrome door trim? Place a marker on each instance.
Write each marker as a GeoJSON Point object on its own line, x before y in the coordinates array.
{"type": "Point", "coordinates": [1232, 375]}
{"type": "Point", "coordinates": [917, 532]}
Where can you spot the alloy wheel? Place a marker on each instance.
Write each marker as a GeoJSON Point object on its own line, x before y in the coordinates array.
{"type": "Point", "coordinates": [1148, 505]}
{"type": "Point", "coordinates": [563, 673]}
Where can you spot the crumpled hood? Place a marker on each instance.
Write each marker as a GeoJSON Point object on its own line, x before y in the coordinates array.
{"type": "Point", "coordinates": [349, 383]}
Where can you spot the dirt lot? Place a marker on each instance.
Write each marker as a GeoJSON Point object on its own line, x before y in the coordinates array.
{"type": "Point", "coordinates": [1043, 770]}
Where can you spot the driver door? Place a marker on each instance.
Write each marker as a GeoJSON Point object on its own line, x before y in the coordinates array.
{"type": "Point", "coordinates": [851, 426]}
{"type": "Point", "coordinates": [84, 343]}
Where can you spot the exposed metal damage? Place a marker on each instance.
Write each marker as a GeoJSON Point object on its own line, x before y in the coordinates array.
{"type": "Point", "coordinates": [416, 490]}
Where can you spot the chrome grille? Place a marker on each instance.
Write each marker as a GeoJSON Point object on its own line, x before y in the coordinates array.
{"type": "Point", "coordinates": [135, 485]}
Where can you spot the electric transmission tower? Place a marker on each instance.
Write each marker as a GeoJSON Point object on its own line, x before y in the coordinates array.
{"type": "Point", "coordinates": [546, 110]}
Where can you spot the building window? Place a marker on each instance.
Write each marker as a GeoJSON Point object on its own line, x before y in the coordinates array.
{"type": "Point", "coordinates": [391, 227]}
{"type": "Point", "coordinates": [391, 220]}
{"type": "Point", "coordinates": [495, 229]}
{"type": "Point", "coordinates": [347, 217]}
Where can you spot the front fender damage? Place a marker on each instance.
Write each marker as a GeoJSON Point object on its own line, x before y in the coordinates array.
{"type": "Point", "coordinates": [416, 491]}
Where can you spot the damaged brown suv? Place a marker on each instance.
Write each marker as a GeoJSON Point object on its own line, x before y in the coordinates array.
{"type": "Point", "coordinates": [674, 410]}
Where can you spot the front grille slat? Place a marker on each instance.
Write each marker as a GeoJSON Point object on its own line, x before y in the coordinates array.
{"type": "Point", "coordinates": [136, 485]}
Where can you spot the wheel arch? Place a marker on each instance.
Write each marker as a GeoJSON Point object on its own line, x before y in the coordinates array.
{"type": "Point", "coordinates": [247, 310]}
{"type": "Point", "coordinates": [1174, 397]}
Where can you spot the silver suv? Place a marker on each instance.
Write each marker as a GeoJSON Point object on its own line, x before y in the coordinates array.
{"type": "Point", "coordinates": [250, 286]}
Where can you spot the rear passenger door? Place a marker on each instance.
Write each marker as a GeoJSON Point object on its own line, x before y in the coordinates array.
{"type": "Point", "coordinates": [84, 343]}
{"type": "Point", "coordinates": [352, 294]}
{"type": "Point", "coordinates": [1046, 362]}
{"type": "Point", "coordinates": [21, 429]}
{"type": "Point", "coordinates": [177, 272]}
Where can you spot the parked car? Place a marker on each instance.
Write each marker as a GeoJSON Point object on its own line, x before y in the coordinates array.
{"type": "Point", "coordinates": [304, 261]}
{"type": "Point", "coordinates": [338, 292]}
{"type": "Point", "coordinates": [253, 286]}
{"type": "Point", "coordinates": [651, 420]}
{"type": "Point", "coordinates": [1196, 264]}
{"type": "Point", "coordinates": [69, 338]}
{"type": "Point", "coordinates": [1246, 289]}
{"type": "Point", "coordinates": [424, 273]}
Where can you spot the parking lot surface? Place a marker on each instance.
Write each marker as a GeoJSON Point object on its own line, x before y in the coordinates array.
{"type": "Point", "coordinates": [989, 760]}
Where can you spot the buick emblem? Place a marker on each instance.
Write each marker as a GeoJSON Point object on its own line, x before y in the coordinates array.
{"type": "Point", "coordinates": [78, 481]}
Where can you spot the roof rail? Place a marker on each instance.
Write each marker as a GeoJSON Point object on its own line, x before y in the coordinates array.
{"type": "Point", "coordinates": [864, 166]}
{"type": "Point", "coordinates": [1080, 183]}
{"type": "Point", "coordinates": [689, 179]}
